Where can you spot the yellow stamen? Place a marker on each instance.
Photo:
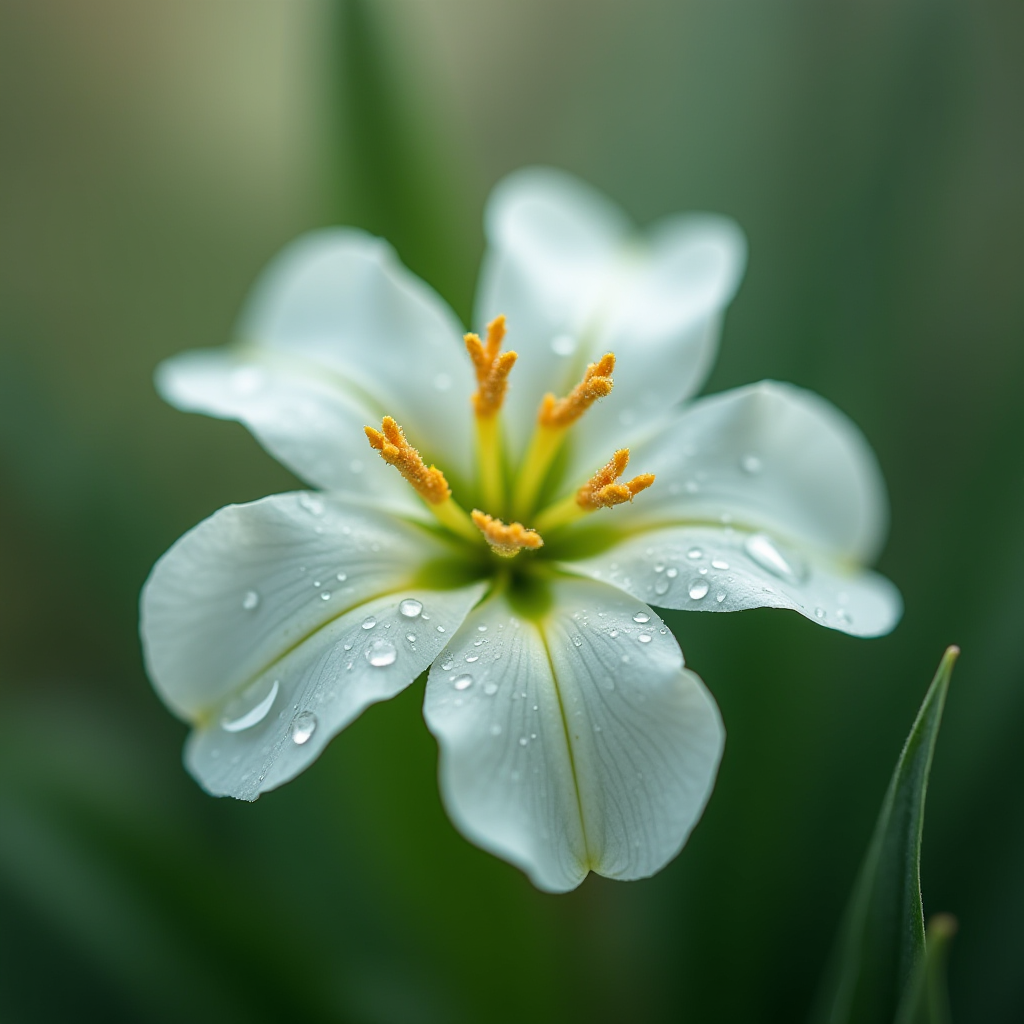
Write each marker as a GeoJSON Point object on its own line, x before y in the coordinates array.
{"type": "Point", "coordinates": [554, 419]}
{"type": "Point", "coordinates": [492, 369]}
{"type": "Point", "coordinates": [596, 383]}
{"type": "Point", "coordinates": [601, 491]}
{"type": "Point", "coordinates": [506, 540]}
{"type": "Point", "coordinates": [429, 483]}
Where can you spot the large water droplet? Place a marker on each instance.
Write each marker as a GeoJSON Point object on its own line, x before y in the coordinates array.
{"type": "Point", "coordinates": [369, 622]}
{"type": "Point", "coordinates": [698, 588]}
{"type": "Point", "coordinates": [381, 653]}
{"type": "Point", "coordinates": [644, 638]}
{"type": "Point", "coordinates": [303, 726]}
{"type": "Point", "coordinates": [463, 682]}
{"type": "Point", "coordinates": [410, 607]}
{"type": "Point", "coordinates": [765, 552]}
{"type": "Point", "coordinates": [250, 707]}
{"type": "Point", "coordinates": [718, 563]}
{"type": "Point", "coordinates": [641, 617]}
{"type": "Point", "coordinates": [250, 600]}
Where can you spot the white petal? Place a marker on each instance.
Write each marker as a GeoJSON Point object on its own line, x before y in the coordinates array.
{"type": "Point", "coordinates": [553, 242]}
{"type": "Point", "coordinates": [245, 586]}
{"type": "Point", "coordinates": [280, 723]}
{"type": "Point", "coordinates": [769, 456]}
{"type": "Point", "coordinates": [578, 744]}
{"type": "Point", "coordinates": [340, 301]}
{"type": "Point", "coordinates": [305, 417]}
{"type": "Point", "coordinates": [663, 327]}
{"type": "Point", "coordinates": [722, 569]}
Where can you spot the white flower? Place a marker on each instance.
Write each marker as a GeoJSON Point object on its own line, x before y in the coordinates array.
{"type": "Point", "coordinates": [572, 738]}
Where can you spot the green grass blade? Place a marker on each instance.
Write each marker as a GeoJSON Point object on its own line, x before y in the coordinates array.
{"type": "Point", "coordinates": [926, 999]}
{"type": "Point", "coordinates": [881, 943]}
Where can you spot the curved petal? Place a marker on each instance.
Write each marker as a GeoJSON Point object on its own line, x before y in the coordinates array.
{"type": "Point", "coordinates": [768, 456]}
{"type": "Point", "coordinates": [566, 268]}
{"type": "Point", "coordinates": [576, 744]}
{"type": "Point", "coordinates": [722, 569]}
{"type": "Point", "coordinates": [245, 586]}
{"type": "Point", "coordinates": [273, 625]}
{"type": "Point", "coordinates": [304, 417]}
{"type": "Point", "coordinates": [663, 328]}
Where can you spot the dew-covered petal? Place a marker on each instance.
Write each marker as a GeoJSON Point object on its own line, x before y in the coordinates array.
{"type": "Point", "coordinates": [768, 456]}
{"type": "Point", "coordinates": [553, 244]}
{"type": "Point", "coordinates": [340, 302]}
{"type": "Point", "coordinates": [662, 321]}
{"type": "Point", "coordinates": [279, 723]}
{"type": "Point", "coordinates": [723, 569]}
{"type": "Point", "coordinates": [245, 586]}
{"type": "Point", "coordinates": [575, 744]}
{"type": "Point", "coordinates": [305, 417]}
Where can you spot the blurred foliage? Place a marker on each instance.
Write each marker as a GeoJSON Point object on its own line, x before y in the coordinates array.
{"type": "Point", "coordinates": [153, 157]}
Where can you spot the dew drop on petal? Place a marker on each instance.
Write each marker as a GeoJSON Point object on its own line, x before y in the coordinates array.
{"type": "Point", "coordinates": [661, 587]}
{"type": "Point", "coordinates": [381, 653]}
{"type": "Point", "coordinates": [341, 577]}
{"type": "Point", "coordinates": [644, 638]}
{"type": "Point", "coordinates": [765, 552]}
{"type": "Point", "coordinates": [303, 726]}
{"type": "Point", "coordinates": [613, 633]}
{"type": "Point", "coordinates": [311, 503]}
{"type": "Point", "coordinates": [819, 613]}
{"type": "Point", "coordinates": [470, 658]}
{"type": "Point", "coordinates": [325, 596]}
{"type": "Point", "coordinates": [694, 553]}
{"type": "Point", "coordinates": [641, 617]}
{"type": "Point", "coordinates": [369, 622]}
{"type": "Point", "coordinates": [251, 706]}
{"type": "Point", "coordinates": [720, 596]}
{"type": "Point", "coordinates": [718, 563]}
{"type": "Point", "coordinates": [523, 741]}
{"type": "Point", "coordinates": [698, 589]}
{"type": "Point", "coordinates": [440, 629]}
{"type": "Point", "coordinates": [410, 607]}
{"type": "Point", "coordinates": [251, 600]}
{"type": "Point", "coordinates": [491, 689]}
{"type": "Point", "coordinates": [672, 573]}
{"type": "Point", "coordinates": [411, 637]}
{"type": "Point", "coordinates": [577, 641]}
{"type": "Point", "coordinates": [463, 682]}
{"type": "Point", "coordinates": [446, 664]}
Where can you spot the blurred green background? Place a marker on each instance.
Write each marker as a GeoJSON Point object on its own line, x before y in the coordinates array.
{"type": "Point", "coordinates": [153, 157]}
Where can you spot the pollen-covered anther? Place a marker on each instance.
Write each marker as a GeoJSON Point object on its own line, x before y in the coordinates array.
{"type": "Point", "coordinates": [492, 368]}
{"type": "Point", "coordinates": [602, 490]}
{"type": "Point", "coordinates": [506, 540]}
{"type": "Point", "coordinates": [396, 451]}
{"type": "Point", "coordinates": [596, 383]}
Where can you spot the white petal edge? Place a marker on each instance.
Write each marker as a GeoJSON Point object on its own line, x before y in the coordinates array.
{"type": "Point", "coordinates": [342, 299]}
{"type": "Point", "coordinates": [302, 415]}
{"type": "Point", "coordinates": [245, 586]}
{"type": "Point", "coordinates": [723, 569]}
{"type": "Point", "coordinates": [580, 744]}
{"type": "Point", "coordinates": [766, 456]}
{"type": "Point", "coordinates": [282, 721]}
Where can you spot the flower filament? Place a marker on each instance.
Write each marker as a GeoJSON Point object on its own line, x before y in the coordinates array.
{"type": "Point", "coordinates": [555, 417]}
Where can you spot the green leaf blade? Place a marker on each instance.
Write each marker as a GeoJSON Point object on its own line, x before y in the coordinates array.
{"type": "Point", "coordinates": [882, 940]}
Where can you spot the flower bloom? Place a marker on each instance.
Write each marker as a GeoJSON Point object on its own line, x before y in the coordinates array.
{"type": "Point", "coordinates": [504, 515]}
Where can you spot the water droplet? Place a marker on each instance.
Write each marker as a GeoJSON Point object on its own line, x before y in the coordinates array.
{"type": "Point", "coordinates": [613, 633]}
{"type": "Point", "coordinates": [672, 573]}
{"type": "Point", "coordinates": [341, 577]}
{"type": "Point", "coordinates": [348, 647]}
{"type": "Point", "coordinates": [765, 552]}
{"type": "Point", "coordinates": [481, 629]}
{"type": "Point", "coordinates": [440, 629]}
{"type": "Point", "coordinates": [577, 641]}
{"type": "Point", "coordinates": [563, 344]}
{"type": "Point", "coordinates": [303, 726]}
{"type": "Point", "coordinates": [644, 638]}
{"type": "Point", "coordinates": [698, 588]}
{"type": "Point", "coordinates": [311, 503]}
{"type": "Point", "coordinates": [463, 682]}
{"type": "Point", "coordinates": [694, 553]}
{"type": "Point", "coordinates": [442, 382]}
{"type": "Point", "coordinates": [641, 617]}
{"type": "Point", "coordinates": [470, 658]}
{"type": "Point", "coordinates": [447, 664]}
{"type": "Point", "coordinates": [720, 596]}
{"type": "Point", "coordinates": [819, 613]}
{"type": "Point", "coordinates": [523, 741]}
{"type": "Point", "coordinates": [660, 567]}
{"type": "Point", "coordinates": [750, 464]}
{"type": "Point", "coordinates": [250, 600]}
{"type": "Point", "coordinates": [843, 616]}
{"type": "Point", "coordinates": [661, 587]}
{"type": "Point", "coordinates": [491, 689]}
{"type": "Point", "coordinates": [381, 653]}
{"type": "Point", "coordinates": [495, 729]}
{"type": "Point", "coordinates": [251, 706]}
{"type": "Point", "coordinates": [703, 571]}
{"type": "Point", "coordinates": [411, 637]}
{"type": "Point", "coordinates": [718, 563]}
{"type": "Point", "coordinates": [369, 622]}
{"type": "Point", "coordinates": [479, 643]}
{"type": "Point", "coordinates": [410, 607]}
{"type": "Point", "coordinates": [325, 596]}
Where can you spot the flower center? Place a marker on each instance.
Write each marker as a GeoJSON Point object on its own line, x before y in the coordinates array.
{"type": "Point", "coordinates": [554, 419]}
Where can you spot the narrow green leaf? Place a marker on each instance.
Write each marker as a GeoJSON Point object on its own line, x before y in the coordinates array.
{"type": "Point", "coordinates": [926, 999]}
{"type": "Point", "coordinates": [882, 941]}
